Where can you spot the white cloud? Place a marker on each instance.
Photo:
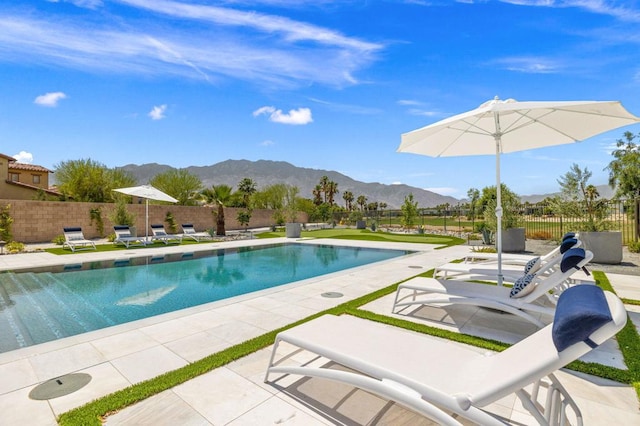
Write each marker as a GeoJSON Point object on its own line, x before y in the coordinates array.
{"type": "Point", "coordinates": [267, 143]}
{"type": "Point", "coordinates": [408, 102]}
{"type": "Point", "coordinates": [298, 116]}
{"type": "Point", "coordinates": [530, 65]}
{"type": "Point", "coordinates": [601, 7]}
{"type": "Point", "coordinates": [157, 113]}
{"type": "Point", "coordinates": [263, 110]}
{"type": "Point", "coordinates": [49, 99]}
{"type": "Point", "coordinates": [273, 51]}
{"type": "Point", "coordinates": [443, 190]}
{"type": "Point", "coordinates": [89, 4]}
{"type": "Point", "coordinates": [24, 157]}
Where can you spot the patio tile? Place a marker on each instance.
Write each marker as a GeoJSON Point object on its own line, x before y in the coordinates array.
{"type": "Point", "coordinates": [123, 344]}
{"type": "Point", "coordinates": [16, 408]}
{"type": "Point", "coordinates": [197, 346]}
{"type": "Point", "coordinates": [56, 363]}
{"type": "Point", "coordinates": [276, 411]}
{"type": "Point", "coordinates": [235, 332]}
{"type": "Point", "coordinates": [165, 408]}
{"type": "Point", "coordinates": [16, 375]}
{"type": "Point", "coordinates": [168, 331]}
{"type": "Point", "coordinates": [148, 364]}
{"type": "Point", "coordinates": [221, 395]}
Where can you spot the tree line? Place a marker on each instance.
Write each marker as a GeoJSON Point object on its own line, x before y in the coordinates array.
{"type": "Point", "coordinates": [87, 180]}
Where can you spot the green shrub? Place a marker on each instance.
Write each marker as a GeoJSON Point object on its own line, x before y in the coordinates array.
{"type": "Point", "coordinates": [171, 223]}
{"type": "Point", "coordinates": [14, 247]}
{"type": "Point", "coordinates": [58, 239]}
{"type": "Point", "coordinates": [634, 246]}
{"type": "Point", "coordinates": [5, 223]}
{"type": "Point", "coordinates": [95, 215]}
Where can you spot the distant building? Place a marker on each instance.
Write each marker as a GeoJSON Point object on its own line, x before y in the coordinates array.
{"type": "Point", "coordinates": [20, 181]}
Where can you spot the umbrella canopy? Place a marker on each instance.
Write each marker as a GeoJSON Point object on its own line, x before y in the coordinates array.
{"type": "Point", "coordinates": [149, 193]}
{"type": "Point", "coordinates": [500, 126]}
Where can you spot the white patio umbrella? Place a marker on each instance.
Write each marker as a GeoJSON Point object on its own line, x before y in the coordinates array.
{"type": "Point", "coordinates": [147, 192]}
{"type": "Point", "coordinates": [501, 126]}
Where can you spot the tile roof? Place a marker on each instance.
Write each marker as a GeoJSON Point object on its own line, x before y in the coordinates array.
{"type": "Point", "coordinates": [28, 167]}
{"type": "Point", "coordinates": [51, 190]}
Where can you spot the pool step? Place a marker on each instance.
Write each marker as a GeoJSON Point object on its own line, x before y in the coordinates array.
{"type": "Point", "coordinates": [38, 312]}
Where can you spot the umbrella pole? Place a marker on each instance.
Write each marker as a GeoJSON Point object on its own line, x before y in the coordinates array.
{"type": "Point", "coordinates": [146, 222]}
{"type": "Point", "coordinates": [498, 200]}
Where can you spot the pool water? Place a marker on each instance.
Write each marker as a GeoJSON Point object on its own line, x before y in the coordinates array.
{"type": "Point", "coordinates": [37, 307]}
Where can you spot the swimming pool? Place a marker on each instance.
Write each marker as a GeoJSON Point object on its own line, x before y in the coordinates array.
{"type": "Point", "coordinates": [40, 306]}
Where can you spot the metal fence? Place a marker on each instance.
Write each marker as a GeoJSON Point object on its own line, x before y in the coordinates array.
{"type": "Point", "coordinates": [539, 221]}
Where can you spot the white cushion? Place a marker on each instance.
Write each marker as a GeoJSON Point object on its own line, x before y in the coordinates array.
{"type": "Point", "coordinates": [523, 286]}
{"type": "Point", "coordinates": [532, 266]}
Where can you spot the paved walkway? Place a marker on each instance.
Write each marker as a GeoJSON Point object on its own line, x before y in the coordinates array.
{"type": "Point", "coordinates": [235, 394]}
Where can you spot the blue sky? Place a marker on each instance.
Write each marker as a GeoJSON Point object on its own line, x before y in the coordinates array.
{"type": "Point", "coordinates": [321, 84]}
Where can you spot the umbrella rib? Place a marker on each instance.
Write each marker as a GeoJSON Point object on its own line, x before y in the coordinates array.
{"type": "Point", "coordinates": [463, 130]}
{"type": "Point", "coordinates": [512, 127]}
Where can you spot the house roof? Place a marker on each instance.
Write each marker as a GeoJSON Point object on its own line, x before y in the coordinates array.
{"type": "Point", "coordinates": [7, 157]}
{"type": "Point", "coordinates": [28, 167]}
{"type": "Point", "coordinates": [51, 190]}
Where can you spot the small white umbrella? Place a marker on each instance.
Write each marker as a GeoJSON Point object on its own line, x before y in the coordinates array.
{"type": "Point", "coordinates": [147, 192]}
{"type": "Point", "coordinates": [500, 126]}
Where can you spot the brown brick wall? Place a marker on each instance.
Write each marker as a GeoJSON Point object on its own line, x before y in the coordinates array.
{"type": "Point", "coordinates": [42, 221]}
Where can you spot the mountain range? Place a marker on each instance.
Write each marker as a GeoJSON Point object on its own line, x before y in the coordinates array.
{"type": "Point", "coordinates": [266, 172]}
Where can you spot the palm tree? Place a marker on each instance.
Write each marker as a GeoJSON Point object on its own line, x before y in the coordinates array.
{"type": "Point", "coordinates": [324, 187]}
{"type": "Point", "coordinates": [348, 198]}
{"type": "Point", "coordinates": [317, 195]}
{"type": "Point", "coordinates": [332, 190]}
{"type": "Point", "coordinates": [362, 200]}
{"type": "Point", "coordinates": [247, 187]}
{"type": "Point", "coordinates": [219, 195]}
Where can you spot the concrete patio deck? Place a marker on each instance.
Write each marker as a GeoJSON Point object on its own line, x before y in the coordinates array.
{"type": "Point", "coordinates": [235, 394]}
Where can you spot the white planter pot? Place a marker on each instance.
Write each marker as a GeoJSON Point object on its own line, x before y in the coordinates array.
{"type": "Point", "coordinates": [513, 240]}
{"type": "Point", "coordinates": [606, 246]}
{"type": "Point", "coordinates": [293, 230]}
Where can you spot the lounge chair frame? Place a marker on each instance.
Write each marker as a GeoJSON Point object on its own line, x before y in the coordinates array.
{"type": "Point", "coordinates": [74, 239]}
{"type": "Point", "coordinates": [123, 236]}
{"type": "Point", "coordinates": [188, 231]}
{"type": "Point", "coordinates": [439, 292]}
{"type": "Point", "coordinates": [159, 234]}
{"type": "Point", "coordinates": [473, 267]}
{"type": "Point", "coordinates": [435, 377]}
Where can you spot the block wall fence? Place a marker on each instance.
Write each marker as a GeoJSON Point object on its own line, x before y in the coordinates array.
{"type": "Point", "coordinates": [42, 221]}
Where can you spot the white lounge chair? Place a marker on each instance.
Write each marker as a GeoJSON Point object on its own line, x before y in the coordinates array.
{"type": "Point", "coordinates": [123, 236]}
{"type": "Point", "coordinates": [537, 298]}
{"type": "Point", "coordinates": [438, 379]}
{"type": "Point", "coordinates": [74, 239]}
{"type": "Point", "coordinates": [512, 267]}
{"type": "Point", "coordinates": [188, 231]}
{"type": "Point", "coordinates": [159, 234]}
{"type": "Point", "coordinates": [521, 259]}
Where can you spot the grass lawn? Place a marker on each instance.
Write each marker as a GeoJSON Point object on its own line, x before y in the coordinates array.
{"type": "Point", "coordinates": [367, 235]}
{"type": "Point", "coordinates": [119, 247]}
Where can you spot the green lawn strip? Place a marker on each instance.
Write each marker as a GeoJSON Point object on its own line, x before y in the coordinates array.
{"type": "Point", "coordinates": [367, 235]}
{"type": "Point", "coordinates": [630, 301]}
{"type": "Point", "coordinates": [118, 247]}
{"type": "Point", "coordinates": [628, 339]}
{"type": "Point", "coordinates": [91, 413]}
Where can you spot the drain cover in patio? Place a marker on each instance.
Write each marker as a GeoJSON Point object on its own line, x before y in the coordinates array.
{"type": "Point", "coordinates": [60, 386]}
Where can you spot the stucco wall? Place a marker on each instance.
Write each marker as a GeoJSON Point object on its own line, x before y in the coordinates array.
{"type": "Point", "coordinates": [41, 221]}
